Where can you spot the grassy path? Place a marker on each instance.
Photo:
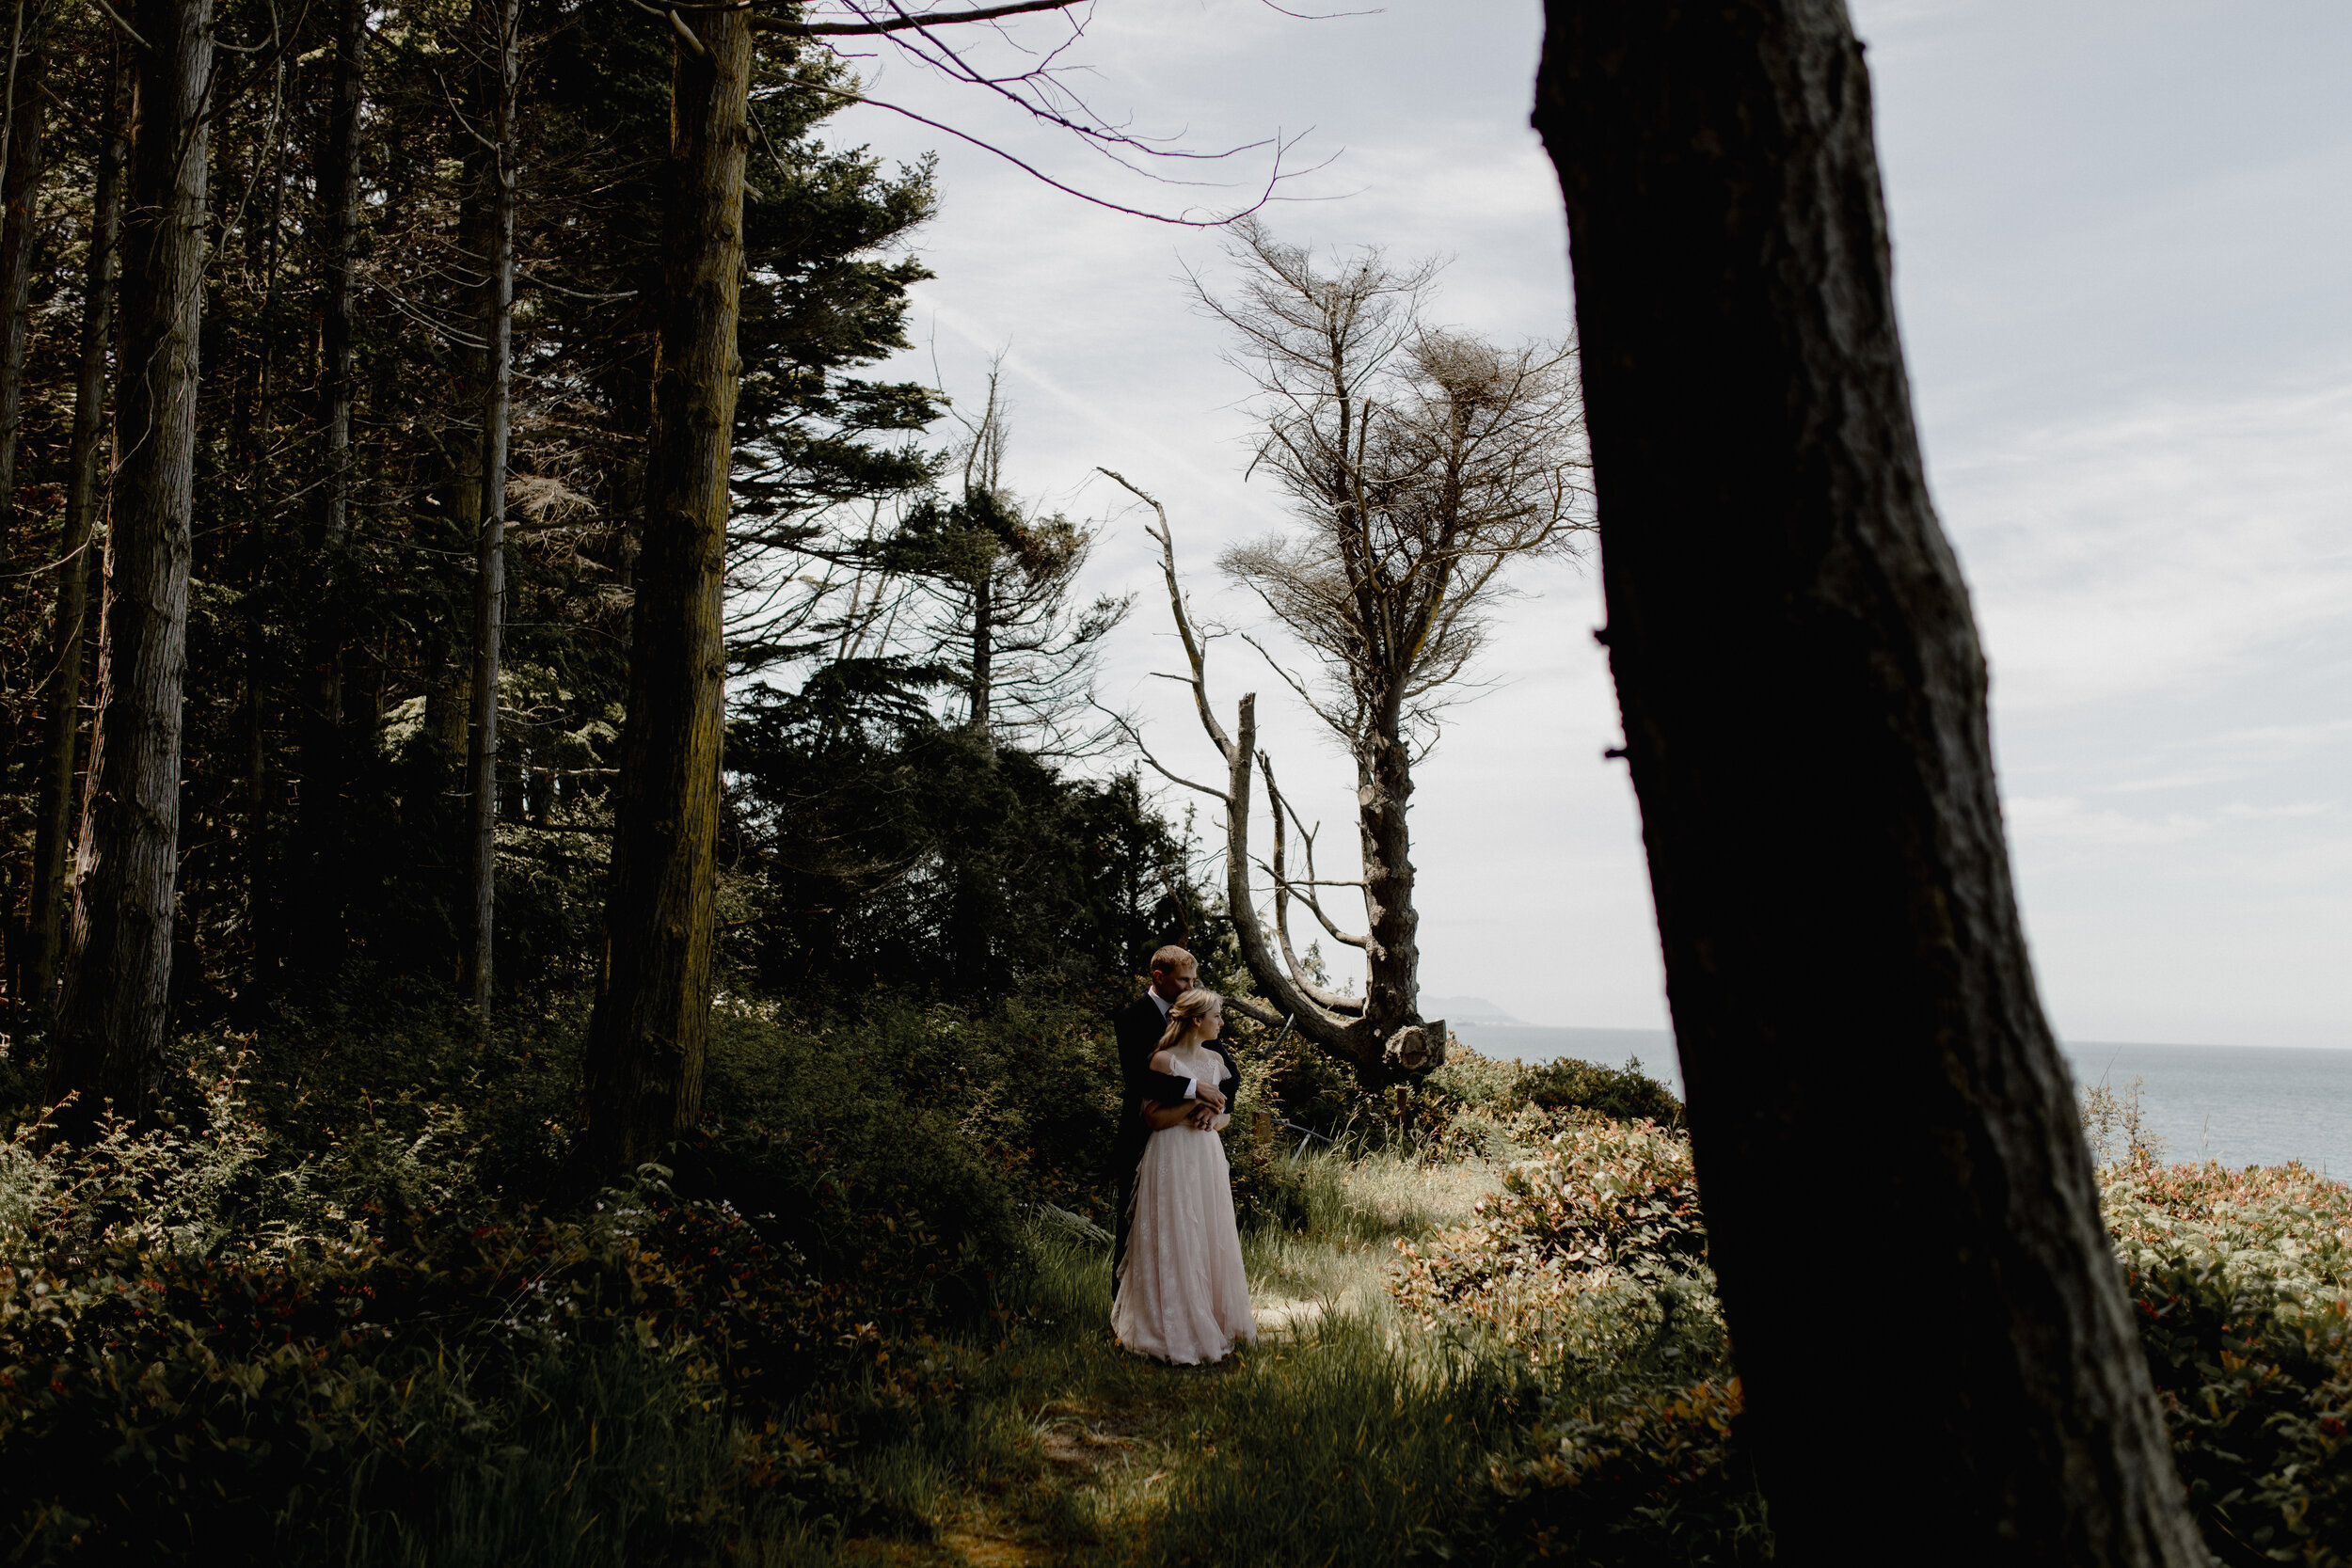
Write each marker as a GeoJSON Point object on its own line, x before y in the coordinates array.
{"type": "Point", "coordinates": [1342, 1435]}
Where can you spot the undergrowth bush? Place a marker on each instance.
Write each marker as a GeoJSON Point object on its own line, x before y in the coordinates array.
{"type": "Point", "coordinates": [1473, 1107]}
{"type": "Point", "coordinates": [297, 1317]}
{"type": "Point", "coordinates": [2257, 1391]}
{"type": "Point", "coordinates": [1618, 1094]}
{"type": "Point", "coordinates": [1589, 1268]}
{"type": "Point", "coordinates": [2242, 1280]}
{"type": "Point", "coordinates": [158, 1404]}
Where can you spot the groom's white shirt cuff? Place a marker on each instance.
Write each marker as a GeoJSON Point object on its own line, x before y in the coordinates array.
{"type": "Point", "coordinates": [1192, 1086]}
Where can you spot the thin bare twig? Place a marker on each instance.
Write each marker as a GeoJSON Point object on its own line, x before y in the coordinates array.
{"type": "Point", "coordinates": [903, 22]}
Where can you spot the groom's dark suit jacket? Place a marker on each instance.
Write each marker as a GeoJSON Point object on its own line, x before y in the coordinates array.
{"type": "Point", "coordinates": [1139, 1026]}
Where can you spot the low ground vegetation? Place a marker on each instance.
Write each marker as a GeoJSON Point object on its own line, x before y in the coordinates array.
{"type": "Point", "coordinates": [863, 1318]}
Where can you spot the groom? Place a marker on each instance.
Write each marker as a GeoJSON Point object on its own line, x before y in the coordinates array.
{"type": "Point", "coordinates": [1139, 1025]}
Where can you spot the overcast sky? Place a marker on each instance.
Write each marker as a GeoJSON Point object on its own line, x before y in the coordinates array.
{"type": "Point", "coordinates": [2121, 238]}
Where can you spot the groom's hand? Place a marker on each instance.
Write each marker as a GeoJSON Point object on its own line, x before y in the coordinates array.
{"type": "Point", "coordinates": [1204, 1118]}
{"type": "Point", "coordinates": [1209, 1095]}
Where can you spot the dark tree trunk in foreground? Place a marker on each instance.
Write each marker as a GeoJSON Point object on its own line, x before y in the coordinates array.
{"type": "Point", "coordinates": [53, 818]}
{"type": "Point", "coordinates": [652, 1015]}
{"type": "Point", "coordinates": [498, 329]}
{"type": "Point", "coordinates": [1938, 1355]}
{"type": "Point", "coordinates": [325, 768]}
{"type": "Point", "coordinates": [115, 1004]}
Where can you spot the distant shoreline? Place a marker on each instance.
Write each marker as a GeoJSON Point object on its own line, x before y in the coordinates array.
{"type": "Point", "coordinates": [2264, 1104]}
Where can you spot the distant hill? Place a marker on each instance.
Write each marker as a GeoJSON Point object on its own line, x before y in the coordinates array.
{"type": "Point", "coordinates": [1468, 1009]}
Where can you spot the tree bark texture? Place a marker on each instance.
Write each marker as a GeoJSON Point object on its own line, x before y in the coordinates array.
{"type": "Point", "coordinates": [23, 137]}
{"type": "Point", "coordinates": [325, 766]}
{"type": "Point", "coordinates": [1384, 793]}
{"type": "Point", "coordinates": [645, 1039]}
{"type": "Point", "coordinates": [54, 813]}
{"type": "Point", "coordinates": [116, 994]}
{"type": "Point", "coordinates": [498, 324]}
{"type": "Point", "coordinates": [1931, 1329]}
{"type": "Point", "coordinates": [264, 914]}
{"type": "Point", "coordinates": [28, 121]}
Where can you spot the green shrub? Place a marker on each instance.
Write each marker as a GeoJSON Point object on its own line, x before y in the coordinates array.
{"type": "Point", "coordinates": [2241, 1279]}
{"type": "Point", "coordinates": [1589, 1270]}
{"type": "Point", "coordinates": [1618, 1094]}
{"type": "Point", "coordinates": [1617, 1473]}
{"type": "Point", "coordinates": [308, 1304]}
{"type": "Point", "coordinates": [1291, 1077]}
{"type": "Point", "coordinates": [2257, 1392]}
{"type": "Point", "coordinates": [154, 1405]}
{"type": "Point", "coordinates": [2284, 1225]}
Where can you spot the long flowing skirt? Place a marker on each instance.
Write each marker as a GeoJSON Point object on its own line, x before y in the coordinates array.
{"type": "Point", "coordinates": [1183, 1295]}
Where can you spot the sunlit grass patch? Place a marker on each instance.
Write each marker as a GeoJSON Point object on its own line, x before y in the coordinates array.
{"type": "Point", "coordinates": [1406, 1198]}
{"type": "Point", "coordinates": [1346, 1444]}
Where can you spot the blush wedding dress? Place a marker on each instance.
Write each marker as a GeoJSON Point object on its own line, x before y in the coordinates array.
{"type": "Point", "coordinates": [1183, 1295]}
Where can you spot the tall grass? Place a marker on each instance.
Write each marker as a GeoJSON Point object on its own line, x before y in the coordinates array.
{"type": "Point", "coordinates": [608, 1457]}
{"type": "Point", "coordinates": [1347, 1445]}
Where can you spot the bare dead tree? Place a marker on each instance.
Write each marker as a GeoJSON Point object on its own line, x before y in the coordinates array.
{"type": "Point", "coordinates": [1421, 463]}
{"type": "Point", "coordinates": [1290, 994]}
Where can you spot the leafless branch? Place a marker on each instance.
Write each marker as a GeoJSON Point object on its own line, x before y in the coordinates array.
{"type": "Point", "coordinates": [1033, 172]}
{"type": "Point", "coordinates": [1135, 739]}
{"type": "Point", "coordinates": [903, 22]}
{"type": "Point", "coordinates": [1320, 996]}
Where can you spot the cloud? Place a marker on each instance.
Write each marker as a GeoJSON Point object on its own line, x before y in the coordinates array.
{"type": "Point", "coordinates": [2118, 286]}
{"type": "Point", "coordinates": [2156, 547]}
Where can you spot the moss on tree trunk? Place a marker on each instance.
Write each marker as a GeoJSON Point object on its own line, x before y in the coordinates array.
{"type": "Point", "coordinates": [652, 1014]}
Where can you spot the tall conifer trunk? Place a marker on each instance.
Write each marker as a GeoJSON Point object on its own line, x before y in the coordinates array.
{"type": "Point", "coordinates": [116, 987]}
{"type": "Point", "coordinates": [53, 820]}
{"type": "Point", "coordinates": [324, 743]}
{"type": "Point", "coordinates": [652, 1014]}
{"type": "Point", "coordinates": [498, 323]}
{"type": "Point", "coordinates": [984, 682]}
{"type": "Point", "coordinates": [28, 122]}
{"type": "Point", "coordinates": [266, 927]}
{"type": "Point", "coordinates": [25, 135]}
{"type": "Point", "coordinates": [1948, 1373]}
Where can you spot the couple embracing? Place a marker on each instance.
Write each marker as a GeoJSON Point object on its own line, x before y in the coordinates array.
{"type": "Point", "coordinates": [1179, 1292]}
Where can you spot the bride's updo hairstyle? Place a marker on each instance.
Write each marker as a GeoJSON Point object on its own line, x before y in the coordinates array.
{"type": "Point", "coordinates": [1189, 1008]}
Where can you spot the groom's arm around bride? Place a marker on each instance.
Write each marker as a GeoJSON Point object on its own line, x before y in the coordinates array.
{"type": "Point", "coordinates": [1139, 1026]}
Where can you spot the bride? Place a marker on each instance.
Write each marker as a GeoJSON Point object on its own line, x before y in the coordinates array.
{"type": "Point", "coordinates": [1182, 1295]}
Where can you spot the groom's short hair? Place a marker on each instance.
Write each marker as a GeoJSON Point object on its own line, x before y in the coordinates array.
{"type": "Point", "coordinates": [1172, 959]}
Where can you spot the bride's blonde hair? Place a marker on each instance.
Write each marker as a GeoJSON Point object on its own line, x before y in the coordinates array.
{"type": "Point", "coordinates": [1192, 1005]}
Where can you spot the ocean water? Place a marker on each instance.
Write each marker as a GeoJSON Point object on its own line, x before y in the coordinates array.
{"type": "Point", "coordinates": [2240, 1105]}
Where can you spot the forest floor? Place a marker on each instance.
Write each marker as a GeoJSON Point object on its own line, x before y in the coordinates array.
{"type": "Point", "coordinates": [1071, 1451]}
